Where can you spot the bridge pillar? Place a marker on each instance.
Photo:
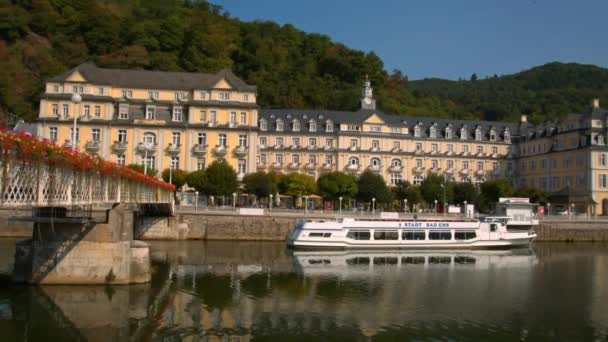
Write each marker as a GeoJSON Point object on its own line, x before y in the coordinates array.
{"type": "Point", "coordinates": [67, 252]}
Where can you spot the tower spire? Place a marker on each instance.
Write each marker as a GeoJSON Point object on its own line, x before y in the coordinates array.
{"type": "Point", "coordinates": [367, 95]}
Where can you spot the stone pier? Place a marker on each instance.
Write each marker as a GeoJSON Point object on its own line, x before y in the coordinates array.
{"type": "Point", "coordinates": [64, 252]}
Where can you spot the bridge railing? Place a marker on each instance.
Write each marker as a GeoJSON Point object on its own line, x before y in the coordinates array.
{"type": "Point", "coordinates": [39, 173]}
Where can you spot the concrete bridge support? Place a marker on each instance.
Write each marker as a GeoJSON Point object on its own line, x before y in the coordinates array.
{"type": "Point", "coordinates": [65, 252]}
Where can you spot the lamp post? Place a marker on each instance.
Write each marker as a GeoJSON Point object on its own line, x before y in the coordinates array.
{"type": "Point", "coordinates": [340, 205]}
{"type": "Point", "coordinates": [465, 209]}
{"type": "Point", "coordinates": [548, 209]}
{"type": "Point", "coordinates": [270, 204]}
{"type": "Point", "coordinates": [435, 206]}
{"type": "Point", "coordinates": [76, 99]}
{"type": "Point", "coordinates": [195, 201]}
{"type": "Point", "coordinates": [405, 205]}
{"type": "Point", "coordinates": [373, 206]}
{"type": "Point", "coordinates": [234, 200]}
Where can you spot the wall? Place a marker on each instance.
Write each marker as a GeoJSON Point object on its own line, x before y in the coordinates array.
{"type": "Point", "coordinates": [11, 228]}
{"type": "Point", "coordinates": [573, 231]}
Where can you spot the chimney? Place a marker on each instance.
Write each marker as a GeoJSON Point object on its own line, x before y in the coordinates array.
{"type": "Point", "coordinates": [596, 103]}
{"type": "Point", "coordinates": [524, 118]}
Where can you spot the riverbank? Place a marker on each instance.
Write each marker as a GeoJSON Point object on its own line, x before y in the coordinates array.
{"type": "Point", "coordinates": [226, 225]}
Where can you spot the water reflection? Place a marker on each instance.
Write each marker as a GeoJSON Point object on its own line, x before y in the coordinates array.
{"type": "Point", "coordinates": [244, 291]}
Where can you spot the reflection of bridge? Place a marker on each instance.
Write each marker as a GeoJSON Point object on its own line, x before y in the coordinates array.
{"type": "Point", "coordinates": [68, 249]}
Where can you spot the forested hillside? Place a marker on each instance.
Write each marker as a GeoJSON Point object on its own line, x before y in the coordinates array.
{"type": "Point", "coordinates": [41, 38]}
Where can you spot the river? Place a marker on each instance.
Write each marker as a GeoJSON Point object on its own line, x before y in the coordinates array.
{"type": "Point", "coordinates": [245, 291]}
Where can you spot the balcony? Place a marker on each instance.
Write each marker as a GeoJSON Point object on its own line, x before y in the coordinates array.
{"type": "Point", "coordinates": [479, 173]}
{"type": "Point", "coordinates": [241, 151]}
{"type": "Point", "coordinates": [352, 167]}
{"type": "Point", "coordinates": [464, 172]}
{"type": "Point", "coordinates": [294, 147]}
{"type": "Point", "coordinates": [174, 149]}
{"type": "Point", "coordinates": [278, 146]}
{"type": "Point", "coordinates": [435, 170]}
{"type": "Point", "coordinates": [417, 152]}
{"type": "Point", "coordinates": [212, 124]}
{"type": "Point", "coordinates": [240, 176]}
{"type": "Point", "coordinates": [418, 170]}
{"type": "Point", "coordinates": [353, 148]}
{"type": "Point", "coordinates": [434, 152]}
{"type": "Point", "coordinates": [494, 155]}
{"type": "Point", "coordinates": [449, 153]}
{"type": "Point", "coordinates": [261, 166]}
{"type": "Point", "coordinates": [450, 171]}
{"type": "Point", "coordinates": [277, 166]}
{"type": "Point", "coordinates": [396, 150]}
{"type": "Point", "coordinates": [395, 168]}
{"type": "Point", "coordinates": [68, 144]}
{"type": "Point", "coordinates": [310, 166]}
{"type": "Point", "coordinates": [92, 146]}
{"type": "Point", "coordinates": [146, 147]}
{"type": "Point", "coordinates": [327, 167]}
{"type": "Point", "coordinates": [328, 148]}
{"type": "Point", "coordinates": [465, 154]}
{"type": "Point", "coordinates": [220, 150]}
{"type": "Point", "coordinates": [199, 149]}
{"type": "Point", "coordinates": [119, 147]}
{"type": "Point", "coordinates": [375, 149]}
{"type": "Point", "coordinates": [374, 168]}
{"type": "Point", "coordinates": [293, 166]}
{"type": "Point", "coordinates": [312, 147]}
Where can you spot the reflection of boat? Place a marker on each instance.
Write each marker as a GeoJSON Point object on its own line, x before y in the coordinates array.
{"type": "Point", "coordinates": [490, 232]}
{"type": "Point", "coordinates": [363, 262]}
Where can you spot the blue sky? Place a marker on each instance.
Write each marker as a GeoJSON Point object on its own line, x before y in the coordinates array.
{"type": "Point", "coordinates": [450, 38]}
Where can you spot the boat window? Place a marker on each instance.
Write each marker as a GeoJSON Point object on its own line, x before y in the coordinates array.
{"type": "Point", "coordinates": [493, 227]}
{"type": "Point", "coordinates": [465, 235]}
{"type": "Point", "coordinates": [315, 235]}
{"type": "Point", "coordinates": [413, 260]}
{"type": "Point", "coordinates": [359, 235]}
{"type": "Point", "coordinates": [440, 235]}
{"type": "Point", "coordinates": [413, 235]}
{"type": "Point", "coordinates": [439, 260]}
{"type": "Point", "coordinates": [357, 261]}
{"type": "Point", "coordinates": [326, 235]}
{"type": "Point", "coordinates": [386, 261]}
{"type": "Point", "coordinates": [464, 260]}
{"type": "Point", "coordinates": [319, 262]}
{"type": "Point", "coordinates": [386, 235]}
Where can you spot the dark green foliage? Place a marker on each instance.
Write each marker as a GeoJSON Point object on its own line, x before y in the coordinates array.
{"type": "Point", "coordinates": [405, 190]}
{"type": "Point", "coordinates": [259, 184]}
{"type": "Point", "coordinates": [178, 177]}
{"type": "Point", "coordinates": [196, 180]}
{"type": "Point", "coordinates": [493, 190]}
{"type": "Point", "coordinates": [220, 179]}
{"type": "Point", "coordinates": [432, 188]}
{"type": "Point", "coordinates": [464, 192]}
{"type": "Point", "coordinates": [297, 184]}
{"type": "Point", "coordinates": [337, 184]}
{"type": "Point", "coordinates": [138, 167]}
{"type": "Point", "coordinates": [372, 185]}
{"type": "Point", "coordinates": [535, 195]}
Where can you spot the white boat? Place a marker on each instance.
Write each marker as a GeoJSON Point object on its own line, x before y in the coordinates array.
{"type": "Point", "coordinates": [489, 232]}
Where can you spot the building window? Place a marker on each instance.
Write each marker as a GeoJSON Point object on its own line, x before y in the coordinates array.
{"type": "Point", "coordinates": [434, 148]}
{"type": "Point", "coordinates": [232, 118]}
{"type": "Point", "coordinates": [203, 116]}
{"type": "Point", "coordinates": [120, 159]}
{"type": "Point", "coordinates": [262, 142]}
{"type": "Point", "coordinates": [278, 158]}
{"type": "Point", "coordinates": [279, 126]}
{"type": "Point", "coordinates": [375, 144]}
{"type": "Point", "coordinates": [150, 112]}
{"type": "Point", "coordinates": [263, 125]}
{"type": "Point", "coordinates": [450, 164]}
{"type": "Point", "coordinates": [463, 134]}
{"type": "Point", "coordinates": [603, 160]}
{"type": "Point", "coordinates": [417, 180]}
{"type": "Point", "coordinates": [263, 158]}
{"type": "Point", "coordinates": [242, 140]}
{"type": "Point", "coordinates": [507, 136]}
{"type": "Point", "coordinates": [241, 167]}
{"type": "Point", "coordinates": [312, 159]}
{"type": "Point", "coordinates": [494, 166]}
{"type": "Point", "coordinates": [478, 134]}
{"type": "Point", "coordinates": [177, 114]}
{"type": "Point", "coordinates": [55, 88]}
{"type": "Point", "coordinates": [417, 131]}
{"type": "Point", "coordinates": [433, 132]}
{"type": "Point", "coordinates": [245, 98]}
{"type": "Point", "coordinates": [353, 143]}
{"type": "Point", "coordinates": [295, 159]}
{"type": "Point", "coordinates": [174, 163]}
{"type": "Point", "coordinates": [396, 163]}
{"type": "Point", "coordinates": [53, 133]}
{"type": "Point", "coordinates": [123, 112]}
{"type": "Point", "coordinates": [434, 164]}
{"type": "Point", "coordinates": [492, 136]}
{"type": "Point", "coordinates": [150, 161]}
{"type": "Point", "coordinates": [203, 95]}
{"type": "Point", "coordinates": [126, 93]}
{"type": "Point", "coordinates": [221, 140]}
{"type": "Point", "coordinates": [86, 111]}
{"type": "Point", "coordinates": [296, 126]}
{"type": "Point", "coordinates": [149, 138]}
{"type": "Point", "coordinates": [396, 145]}
{"type": "Point", "coordinates": [295, 142]}
{"type": "Point", "coordinates": [312, 142]}
{"type": "Point", "coordinates": [479, 149]}
{"type": "Point", "coordinates": [279, 141]}
{"type": "Point", "coordinates": [396, 130]}
{"type": "Point", "coordinates": [353, 127]}
{"type": "Point", "coordinates": [153, 95]}
{"type": "Point", "coordinates": [200, 164]}
{"type": "Point", "coordinates": [55, 109]}
{"type": "Point", "coordinates": [66, 109]}
{"type": "Point", "coordinates": [329, 159]}
{"type": "Point", "coordinates": [213, 116]}
{"type": "Point", "coordinates": [375, 162]}
{"type": "Point", "coordinates": [329, 126]}
{"type": "Point", "coordinates": [354, 161]}
{"type": "Point", "coordinates": [180, 95]}
{"type": "Point", "coordinates": [448, 133]}
{"type": "Point", "coordinates": [202, 139]}
{"type": "Point", "coordinates": [376, 129]}
{"type": "Point", "coordinates": [465, 148]}
{"type": "Point", "coordinates": [97, 111]}
{"type": "Point", "coordinates": [122, 136]}
{"type": "Point", "coordinates": [176, 138]}
{"type": "Point", "coordinates": [243, 118]}
{"type": "Point", "coordinates": [480, 166]}
{"type": "Point", "coordinates": [329, 142]}
{"type": "Point", "coordinates": [418, 147]}
{"type": "Point", "coordinates": [450, 148]}
{"type": "Point", "coordinates": [224, 95]}
{"type": "Point", "coordinates": [419, 163]}
{"type": "Point", "coordinates": [78, 89]}
{"type": "Point", "coordinates": [396, 179]}
{"type": "Point", "coordinates": [96, 134]}
{"type": "Point", "coordinates": [313, 126]}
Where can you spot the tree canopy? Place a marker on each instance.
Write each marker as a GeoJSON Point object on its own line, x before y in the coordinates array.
{"type": "Point", "coordinates": [149, 171]}
{"type": "Point", "coordinates": [371, 185]}
{"type": "Point", "coordinates": [219, 179]}
{"type": "Point", "coordinates": [297, 184]}
{"type": "Point", "coordinates": [337, 184]}
{"type": "Point", "coordinates": [259, 184]}
{"type": "Point", "coordinates": [178, 177]}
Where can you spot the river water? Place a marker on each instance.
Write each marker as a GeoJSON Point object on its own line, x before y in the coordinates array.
{"type": "Point", "coordinates": [250, 291]}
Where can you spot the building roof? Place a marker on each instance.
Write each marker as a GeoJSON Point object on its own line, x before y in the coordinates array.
{"type": "Point", "coordinates": [24, 127]}
{"type": "Point", "coordinates": [148, 79]}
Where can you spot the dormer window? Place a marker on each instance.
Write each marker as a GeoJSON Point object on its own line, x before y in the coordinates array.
{"type": "Point", "coordinates": [127, 94]}
{"type": "Point", "coordinates": [78, 89]}
{"type": "Point", "coordinates": [433, 132]}
{"type": "Point", "coordinates": [417, 131]}
{"type": "Point", "coordinates": [203, 95]}
{"type": "Point", "coordinates": [478, 134]}
{"type": "Point", "coordinates": [263, 125]}
{"type": "Point", "coordinates": [177, 114]}
{"type": "Point", "coordinates": [329, 126]}
{"type": "Point", "coordinates": [55, 88]}
{"type": "Point", "coordinates": [224, 95]}
{"type": "Point", "coordinates": [492, 135]}
{"type": "Point", "coordinates": [279, 125]}
{"type": "Point", "coordinates": [296, 126]}
{"type": "Point", "coordinates": [153, 95]}
{"type": "Point", "coordinates": [181, 96]}
{"type": "Point", "coordinates": [448, 133]}
{"type": "Point", "coordinates": [507, 135]}
{"type": "Point", "coordinates": [313, 126]}
{"type": "Point", "coordinates": [463, 134]}
{"type": "Point", "coordinates": [150, 112]}
{"type": "Point", "coordinates": [246, 98]}
{"type": "Point", "coordinates": [600, 139]}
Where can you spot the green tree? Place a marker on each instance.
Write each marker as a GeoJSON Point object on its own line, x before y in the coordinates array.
{"type": "Point", "coordinates": [297, 184]}
{"type": "Point", "coordinates": [138, 167]}
{"type": "Point", "coordinates": [178, 177]}
{"type": "Point", "coordinates": [405, 190]}
{"type": "Point", "coordinates": [535, 195]}
{"type": "Point", "coordinates": [433, 187]}
{"type": "Point", "coordinates": [220, 179]}
{"type": "Point", "coordinates": [371, 185]}
{"type": "Point", "coordinates": [465, 192]}
{"type": "Point", "coordinates": [493, 190]}
{"type": "Point", "coordinates": [337, 184]}
{"type": "Point", "coordinates": [196, 179]}
{"type": "Point", "coordinates": [259, 184]}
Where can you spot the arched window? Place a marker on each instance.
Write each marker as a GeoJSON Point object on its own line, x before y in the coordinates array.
{"type": "Point", "coordinates": [354, 161]}
{"type": "Point", "coordinates": [417, 180]}
{"type": "Point", "coordinates": [396, 162]}
{"type": "Point", "coordinates": [149, 138]}
{"type": "Point", "coordinates": [374, 162]}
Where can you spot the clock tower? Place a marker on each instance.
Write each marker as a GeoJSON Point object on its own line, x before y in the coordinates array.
{"type": "Point", "coordinates": [367, 97]}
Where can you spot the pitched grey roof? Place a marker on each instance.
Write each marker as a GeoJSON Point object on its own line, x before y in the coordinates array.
{"type": "Point", "coordinates": [147, 79]}
{"type": "Point", "coordinates": [358, 117]}
{"type": "Point", "coordinates": [24, 127]}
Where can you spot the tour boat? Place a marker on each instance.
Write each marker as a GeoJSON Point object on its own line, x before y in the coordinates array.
{"type": "Point", "coordinates": [488, 232]}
